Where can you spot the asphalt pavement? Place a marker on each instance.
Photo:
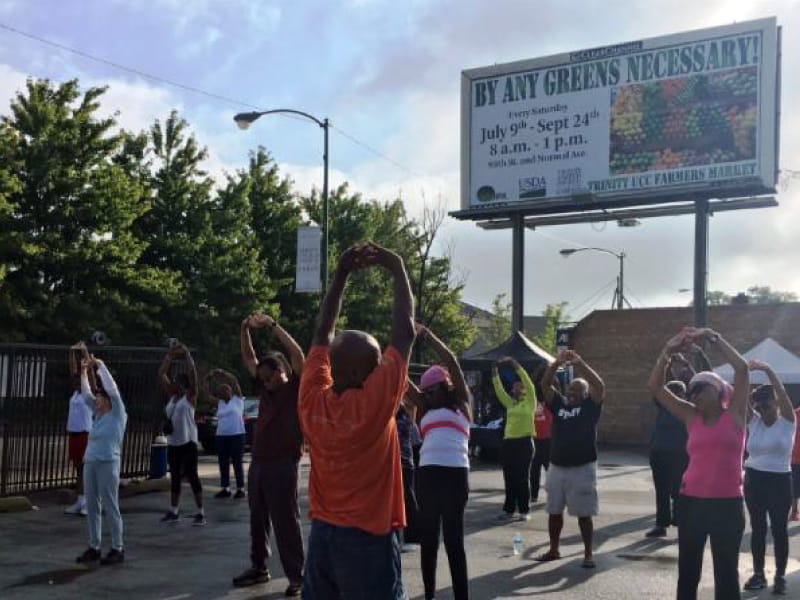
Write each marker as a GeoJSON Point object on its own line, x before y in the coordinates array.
{"type": "Point", "coordinates": [181, 562]}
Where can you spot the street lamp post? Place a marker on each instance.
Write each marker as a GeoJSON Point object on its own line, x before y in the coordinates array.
{"type": "Point", "coordinates": [619, 296]}
{"type": "Point", "coordinates": [244, 120]}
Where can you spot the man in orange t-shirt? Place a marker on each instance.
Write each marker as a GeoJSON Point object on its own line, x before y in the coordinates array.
{"type": "Point", "coordinates": [349, 394]}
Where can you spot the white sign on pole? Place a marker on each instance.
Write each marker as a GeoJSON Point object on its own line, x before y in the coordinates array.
{"type": "Point", "coordinates": [307, 275]}
{"type": "Point", "coordinates": [645, 121]}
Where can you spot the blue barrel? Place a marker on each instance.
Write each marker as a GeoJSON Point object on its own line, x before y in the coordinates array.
{"type": "Point", "coordinates": [158, 460]}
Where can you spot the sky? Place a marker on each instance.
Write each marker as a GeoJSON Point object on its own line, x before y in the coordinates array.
{"type": "Point", "coordinates": [387, 75]}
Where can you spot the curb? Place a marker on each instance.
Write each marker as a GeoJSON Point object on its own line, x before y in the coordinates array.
{"type": "Point", "coordinates": [12, 504]}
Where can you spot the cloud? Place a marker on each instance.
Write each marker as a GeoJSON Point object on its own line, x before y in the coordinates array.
{"type": "Point", "coordinates": [389, 75]}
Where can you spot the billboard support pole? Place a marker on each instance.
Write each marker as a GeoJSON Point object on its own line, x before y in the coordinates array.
{"type": "Point", "coordinates": [701, 213]}
{"type": "Point", "coordinates": [517, 271]}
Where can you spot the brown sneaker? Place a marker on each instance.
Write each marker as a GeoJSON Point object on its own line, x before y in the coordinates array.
{"type": "Point", "coordinates": [89, 556]}
{"type": "Point", "coordinates": [252, 576]}
{"type": "Point", "coordinates": [294, 589]}
{"type": "Point", "coordinates": [114, 557]}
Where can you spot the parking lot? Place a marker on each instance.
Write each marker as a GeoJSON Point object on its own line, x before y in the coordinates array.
{"type": "Point", "coordinates": [37, 549]}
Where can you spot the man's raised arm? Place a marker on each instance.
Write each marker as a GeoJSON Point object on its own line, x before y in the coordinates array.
{"type": "Point", "coordinates": [350, 260]}
{"type": "Point", "coordinates": [293, 349]}
{"type": "Point", "coordinates": [402, 334]}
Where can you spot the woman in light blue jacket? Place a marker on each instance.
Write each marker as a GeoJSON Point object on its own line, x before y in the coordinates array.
{"type": "Point", "coordinates": [101, 463]}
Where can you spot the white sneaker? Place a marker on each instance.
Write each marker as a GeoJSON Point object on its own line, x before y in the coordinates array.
{"type": "Point", "coordinates": [75, 509]}
{"type": "Point", "coordinates": [525, 517]}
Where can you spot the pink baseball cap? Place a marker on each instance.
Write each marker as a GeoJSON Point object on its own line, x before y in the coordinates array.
{"type": "Point", "coordinates": [435, 374]}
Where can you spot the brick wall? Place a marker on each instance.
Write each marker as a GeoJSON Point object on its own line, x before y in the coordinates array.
{"type": "Point", "coordinates": [622, 346]}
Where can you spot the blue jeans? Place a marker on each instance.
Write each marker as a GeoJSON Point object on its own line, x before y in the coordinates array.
{"type": "Point", "coordinates": [345, 563]}
{"type": "Point", "coordinates": [101, 488]}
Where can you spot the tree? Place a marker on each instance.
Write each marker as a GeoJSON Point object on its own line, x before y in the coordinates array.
{"type": "Point", "coordinates": [763, 294]}
{"type": "Point", "coordinates": [368, 300]}
{"type": "Point", "coordinates": [205, 237]}
{"type": "Point", "coordinates": [66, 207]}
{"type": "Point", "coordinates": [500, 322]}
{"type": "Point", "coordinates": [555, 315]}
{"type": "Point", "coordinates": [437, 292]}
{"type": "Point", "coordinates": [717, 298]}
{"type": "Point", "coordinates": [275, 215]}
{"type": "Point", "coordinates": [756, 294]}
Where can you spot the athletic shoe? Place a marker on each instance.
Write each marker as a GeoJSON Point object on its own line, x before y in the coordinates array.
{"type": "Point", "coordinates": [114, 557]}
{"type": "Point", "coordinates": [90, 555]}
{"type": "Point", "coordinates": [294, 589]}
{"type": "Point", "coordinates": [756, 582]}
{"type": "Point", "coordinates": [223, 494]}
{"type": "Point", "coordinates": [780, 585]}
{"type": "Point", "coordinates": [524, 517]}
{"type": "Point", "coordinates": [656, 532]}
{"type": "Point", "coordinates": [252, 576]}
{"type": "Point", "coordinates": [199, 520]}
{"type": "Point", "coordinates": [239, 494]}
{"type": "Point", "coordinates": [505, 517]}
{"type": "Point", "coordinates": [170, 518]}
{"type": "Point", "coordinates": [406, 548]}
{"type": "Point", "coordinates": [76, 509]}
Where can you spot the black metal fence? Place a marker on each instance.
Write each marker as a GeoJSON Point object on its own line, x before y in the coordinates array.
{"type": "Point", "coordinates": [35, 389]}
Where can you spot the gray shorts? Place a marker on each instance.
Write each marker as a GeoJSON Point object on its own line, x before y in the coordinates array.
{"type": "Point", "coordinates": [573, 487]}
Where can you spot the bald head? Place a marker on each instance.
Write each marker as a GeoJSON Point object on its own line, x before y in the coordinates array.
{"type": "Point", "coordinates": [577, 391]}
{"type": "Point", "coordinates": [353, 354]}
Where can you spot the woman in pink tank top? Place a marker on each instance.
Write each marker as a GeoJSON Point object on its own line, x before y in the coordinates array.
{"type": "Point", "coordinates": [715, 415]}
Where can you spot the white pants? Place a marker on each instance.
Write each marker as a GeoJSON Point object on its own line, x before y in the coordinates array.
{"type": "Point", "coordinates": [101, 488]}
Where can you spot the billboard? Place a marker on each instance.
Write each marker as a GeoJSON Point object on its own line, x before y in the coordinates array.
{"type": "Point", "coordinates": [640, 122]}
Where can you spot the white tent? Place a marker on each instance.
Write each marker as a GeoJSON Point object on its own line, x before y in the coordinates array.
{"type": "Point", "coordinates": [785, 364]}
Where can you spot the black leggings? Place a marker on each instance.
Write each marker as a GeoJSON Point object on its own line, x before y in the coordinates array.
{"type": "Point", "coordinates": [768, 494]}
{"type": "Point", "coordinates": [230, 449]}
{"type": "Point", "coordinates": [516, 454]}
{"type": "Point", "coordinates": [183, 463]}
{"type": "Point", "coordinates": [721, 519]}
{"type": "Point", "coordinates": [442, 497]}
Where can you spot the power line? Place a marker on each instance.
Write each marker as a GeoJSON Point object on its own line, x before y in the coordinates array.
{"type": "Point", "coordinates": [376, 152]}
{"type": "Point", "coordinates": [601, 290]}
{"type": "Point", "coordinates": [116, 65]}
{"type": "Point", "coordinates": [193, 89]}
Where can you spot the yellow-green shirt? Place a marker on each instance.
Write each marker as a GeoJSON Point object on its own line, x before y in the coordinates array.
{"type": "Point", "coordinates": [519, 413]}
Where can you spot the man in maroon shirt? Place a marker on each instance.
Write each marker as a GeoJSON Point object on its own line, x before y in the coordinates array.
{"type": "Point", "coordinates": [276, 449]}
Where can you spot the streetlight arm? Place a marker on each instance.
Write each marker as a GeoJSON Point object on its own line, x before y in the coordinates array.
{"type": "Point", "coordinates": [249, 117]}
{"type": "Point", "coordinates": [569, 251]}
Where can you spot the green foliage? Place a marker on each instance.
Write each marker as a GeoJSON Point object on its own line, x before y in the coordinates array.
{"type": "Point", "coordinates": [555, 315]}
{"type": "Point", "coordinates": [763, 294]}
{"type": "Point", "coordinates": [756, 294]}
{"type": "Point", "coordinates": [105, 229]}
{"type": "Point", "coordinates": [717, 298]}
{"type": "Point", "coordinates": [500, 323]}
{"type": "Point", "coordinates": [70, 260]}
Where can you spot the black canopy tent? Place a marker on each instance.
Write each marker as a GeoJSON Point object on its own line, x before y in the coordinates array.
{"type": "Point", "coordinates": [517, 346]}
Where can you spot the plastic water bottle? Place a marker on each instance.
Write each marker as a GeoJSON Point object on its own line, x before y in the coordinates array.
{"type": "Point", "coordinates": [517, 543]}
